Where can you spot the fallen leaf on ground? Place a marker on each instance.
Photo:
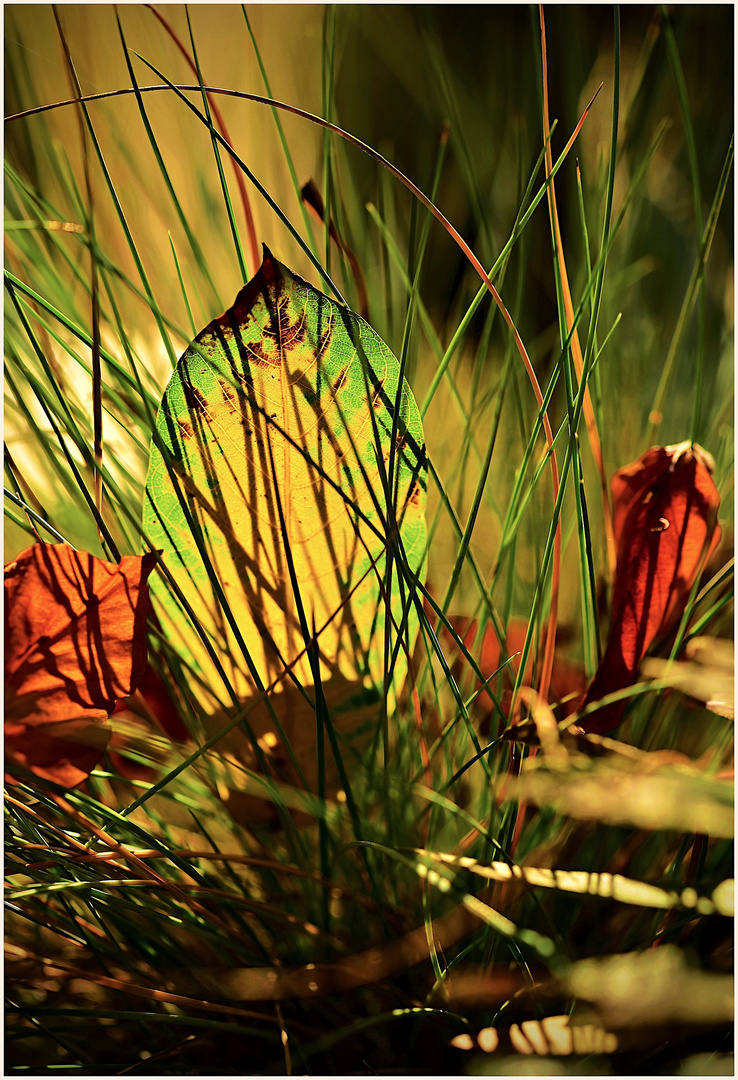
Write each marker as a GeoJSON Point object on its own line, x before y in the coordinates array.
{"type": "Point", "coordinates": [566, 678]}
{"type": "Point", "coordinates": [75, 643]}
{"type": "Point", "coordinates": [666, 507]}
{"type": "Point", "coordinates": [152, 699]}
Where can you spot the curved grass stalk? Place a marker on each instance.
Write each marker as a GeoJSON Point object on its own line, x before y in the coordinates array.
{"type": "Point", "coordinates": [376, 156]}
{"type": "Point", "coordinates": [418, 194]}
{"type": "Point", "coordinates": [594, 439]}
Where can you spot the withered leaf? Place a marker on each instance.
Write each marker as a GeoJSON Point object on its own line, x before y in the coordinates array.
{"type": "Point", "coordinates": [75, 643]}
{"type": "Point", "coordinates": [666, 507]}
{"type": "Point", "coordinates": [566, 678]}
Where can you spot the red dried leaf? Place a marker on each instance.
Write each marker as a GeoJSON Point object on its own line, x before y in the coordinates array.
{"type": "Point", "coordinates": [65, 751]}
{"type": "Point", "coordinates": [75, 643]}
{"type": "Point", "coordinates": [158, 700]}
{"type": "Point", "coordinates": [666, 507]}
{"type": "Point", "coordinates": [153, 700]}
{"type": "Point", "coordinates": [566, 679]}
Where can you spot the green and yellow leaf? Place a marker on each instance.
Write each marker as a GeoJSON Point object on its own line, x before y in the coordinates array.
{"type": "Point", "coordinates": [269, 492]}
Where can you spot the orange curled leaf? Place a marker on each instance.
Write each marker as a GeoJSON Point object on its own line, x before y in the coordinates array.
{"type": "Point", "coordinates": [566, 678]}
{"type": "Point", "coordinates": [153, 700]}
{"type": "Point", "coordinates": [75, 643]}
{"type": "Point", "coordinates": [666, 507]}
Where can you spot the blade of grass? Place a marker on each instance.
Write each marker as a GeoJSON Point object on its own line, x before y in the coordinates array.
{"type": "Point", "coordinates": [97, 419]}
{"type": "Point", "coordinates": [307, 223]}
{"type": "Point", "coordinates": [676, 67]}
{"type": "Point", "coordinates": [656, 414]}
{"type": "Point", "coordinates": [182, 217]}
{"type": "Point", "coordinates": [245, 202]}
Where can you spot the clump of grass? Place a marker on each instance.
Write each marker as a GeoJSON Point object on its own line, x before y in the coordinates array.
{"type": "Point", "coordinates": [179, 914]}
